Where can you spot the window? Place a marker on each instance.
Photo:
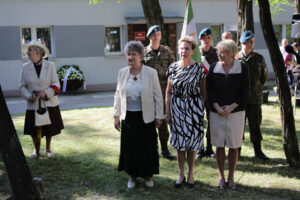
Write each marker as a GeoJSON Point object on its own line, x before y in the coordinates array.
{"type": "Point", "coordinates": [112, 44]}
{"type": "Point", "coordinates": [283, 31]}
{"type": "Point", "coordinates": [217, 33]}
{"type": "Point", "coordinates": [278, 32]}
{"type": "Point", "coordinates": [43, 34]}
{"type": "Point", "coordinates": [232, 28]}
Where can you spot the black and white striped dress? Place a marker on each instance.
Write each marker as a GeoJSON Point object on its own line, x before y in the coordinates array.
{"type": "Point", "coordinates": [186, 107]}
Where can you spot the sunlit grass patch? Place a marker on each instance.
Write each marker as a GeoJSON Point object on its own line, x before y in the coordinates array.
{"type": "Point", "coordinates": [87, 153]}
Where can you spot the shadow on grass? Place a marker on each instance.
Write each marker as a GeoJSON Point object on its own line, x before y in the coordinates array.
{"type": "Point", "coordinates": [253, 165]}
{"type": "Point", "coordinates": [92, 176]}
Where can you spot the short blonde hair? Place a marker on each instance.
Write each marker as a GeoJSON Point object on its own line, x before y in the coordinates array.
{"type": "Point", "coordinates": [229, 46]}
{"type": "Point", "coordinates": [187, 39]}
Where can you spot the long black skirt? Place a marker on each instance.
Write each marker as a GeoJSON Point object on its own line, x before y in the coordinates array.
{"type": "Point", "coordinates": [139, 150]}
{"type": "Point", "coordinates": [48, 130]}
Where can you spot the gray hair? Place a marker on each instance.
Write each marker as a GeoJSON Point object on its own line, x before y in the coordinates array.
{"type": "Point", "coordinates": [39, 50]}
{"type": "Point", "coordinates": [228, 46]}
{"type": "Point", "coordinates": [134, 46]}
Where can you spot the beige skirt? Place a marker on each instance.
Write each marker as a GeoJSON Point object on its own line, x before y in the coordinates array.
{"type": "Point", "coordinates": [227, 131]}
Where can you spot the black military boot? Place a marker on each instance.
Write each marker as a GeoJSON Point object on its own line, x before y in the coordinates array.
{"type": "Point", "coordinates": [258, 152]}
{"type": "Point", "coordinates": [200, 154]}
{"type": "Point", "coordinates": [165, 152]}
{"type": "Point", "coordinates": [209, 151]}
{"type": "Point", "coordinates": [240, 150]}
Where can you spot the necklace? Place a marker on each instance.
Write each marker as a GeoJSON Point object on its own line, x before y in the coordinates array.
{"type": "Point", "coordinates": [135, 73]}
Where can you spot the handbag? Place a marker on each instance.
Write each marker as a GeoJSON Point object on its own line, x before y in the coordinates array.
{"type": "Point", "coordinates": [41, 114]}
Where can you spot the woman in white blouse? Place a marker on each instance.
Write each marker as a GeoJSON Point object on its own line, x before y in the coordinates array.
{"type": "Point", "coordinates": [138, 103]}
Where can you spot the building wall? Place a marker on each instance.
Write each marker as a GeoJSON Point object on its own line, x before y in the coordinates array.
{"type": "Point", "coordinates": [78, 32]}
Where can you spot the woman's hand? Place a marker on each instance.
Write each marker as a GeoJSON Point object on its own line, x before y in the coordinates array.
{"type": "Point", "coordinates": [168, 118]}
{"type": "Point", "coordinates": [227, 109]}
{"type": "Point", "coordinates": [158, 123]}
{"type": "Point", "coordinates": [32, 98]}
{"type": "Point", "coordinates": [117, 123]}
{"type": "Point", "coordinates": [40, 94]}
{"type": "Point", "coordinates": [220, 110]}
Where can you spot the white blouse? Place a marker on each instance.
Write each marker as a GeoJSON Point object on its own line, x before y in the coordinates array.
{"type": "Point", "coordinates": [133, 92]}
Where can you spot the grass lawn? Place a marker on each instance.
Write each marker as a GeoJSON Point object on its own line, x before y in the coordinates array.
{"type": "Point", "coordinates": [87, 157]}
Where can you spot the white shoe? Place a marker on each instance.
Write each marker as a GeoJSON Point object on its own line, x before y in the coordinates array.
{"type": "Point", "coordinates": [33, 155]}
{"type": "Point", "coordinates": [149, 183]}
{"type": "Point", "coordinates": [50, 154]}
{"type": "Point", "coordinates": [130, 184]}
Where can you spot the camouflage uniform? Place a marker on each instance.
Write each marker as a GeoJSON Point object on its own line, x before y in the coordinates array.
{"type": "Point", "coordinates": [258, 73]}
{"type": "Point", "coordinates": [160, 61]}
{"type": "Point", "coordinates": [211, 57]}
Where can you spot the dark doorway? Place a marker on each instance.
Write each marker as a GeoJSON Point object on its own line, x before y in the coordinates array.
{"type": "Point", "coordinates": [139, 31]}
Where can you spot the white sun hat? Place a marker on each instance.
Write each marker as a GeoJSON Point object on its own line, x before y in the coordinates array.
{"type": "Point", "coordinates": [39, 44]}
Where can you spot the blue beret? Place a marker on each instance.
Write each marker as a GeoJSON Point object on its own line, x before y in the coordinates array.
{"type": "Point", "coordinates": [204, 32]}
{"type": "Point", "coordinates": [153, 29]}
{"type": "Point", "coordinates": [247, 35]}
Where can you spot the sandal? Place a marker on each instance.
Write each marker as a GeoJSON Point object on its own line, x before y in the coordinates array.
{"type": "Point", "coordinates": [221, 184]}
{"type": "Point", "coordinates": [231, 185]}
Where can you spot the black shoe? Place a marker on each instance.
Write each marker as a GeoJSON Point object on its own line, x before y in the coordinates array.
{"type": "Point", "coordinates": [178, 185]}
{"type": "Point", "coordinates": [260, 155]}
{"type": "Point", "coordinates": [209, 152]}
{"type": "Point", "coordinates": [191, 185]}
{"type": "Point", "coordinates": [168, 155]}
{"type": "Point", "coordinates": [200, 154]}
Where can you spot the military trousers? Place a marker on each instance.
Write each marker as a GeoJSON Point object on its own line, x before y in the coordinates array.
{"type": "Point", "coordinates": [163, 131]}
{"type": "Point", "coordinates": [254, 116]}
{"type": "Point", "coordinates": [208, 140]}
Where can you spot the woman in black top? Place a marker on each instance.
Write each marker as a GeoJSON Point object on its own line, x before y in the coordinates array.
{"type": "Point", "coordinates": [227, 88]}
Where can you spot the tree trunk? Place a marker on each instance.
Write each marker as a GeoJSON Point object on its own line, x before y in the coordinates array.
{"type": "Point", "coordinates": [290, 141]}
{"type": "Point", "coordinates": [153, 16]}
{"type": "Point", "coordinates": [297, 6]}
{"type": "Point", "coordinates": [245, 17]}
{"type": "Point", "coordinates": [15, 162]}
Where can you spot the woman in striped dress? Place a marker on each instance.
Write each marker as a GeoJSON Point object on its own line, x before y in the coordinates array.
{"type": "Point", "coordinates": [184, 107]}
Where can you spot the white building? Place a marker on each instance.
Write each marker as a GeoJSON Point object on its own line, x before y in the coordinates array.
{"type": "Point", "coordinates": [93, 36]}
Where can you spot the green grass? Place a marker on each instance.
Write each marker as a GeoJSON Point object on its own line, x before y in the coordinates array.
{"type": "Point", "coordinates": [87, 157]}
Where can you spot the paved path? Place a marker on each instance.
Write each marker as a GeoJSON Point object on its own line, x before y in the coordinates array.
{"type": "Point", "coordinates": [18, 105]}
{"type": "Point", "coordinates": [85, 100]}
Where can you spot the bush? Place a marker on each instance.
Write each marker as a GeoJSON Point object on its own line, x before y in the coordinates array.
{"type": "Point", "coordinates": [74, 81]}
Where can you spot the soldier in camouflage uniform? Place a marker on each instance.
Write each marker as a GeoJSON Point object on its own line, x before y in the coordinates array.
{"type": "Point", "coordinates": [258, 72]}
{"type": "Point", "coordinates": [159, 57]}
{"type": "Point", "coordinates": [209, 55]}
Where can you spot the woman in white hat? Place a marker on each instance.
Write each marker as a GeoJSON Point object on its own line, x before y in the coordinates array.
{"type": "Point", "coordinates": [39, 82]}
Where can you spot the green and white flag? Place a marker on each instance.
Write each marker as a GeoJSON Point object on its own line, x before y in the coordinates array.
{"type": "Point", "coordinates": [189, 28]}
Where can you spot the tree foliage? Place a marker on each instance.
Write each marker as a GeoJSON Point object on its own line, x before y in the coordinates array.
{"type": "Point", "coordinates": [276, 5]}
{"type": "Point", "coordinates": [97, 1]}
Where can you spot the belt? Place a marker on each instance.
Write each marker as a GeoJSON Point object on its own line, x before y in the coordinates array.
{"type": "Point", "coordinates": [186, 96]}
